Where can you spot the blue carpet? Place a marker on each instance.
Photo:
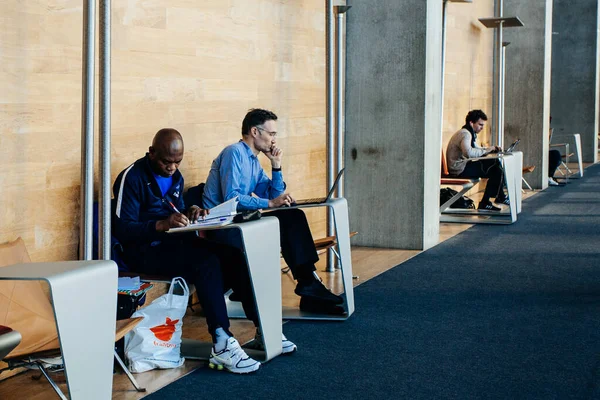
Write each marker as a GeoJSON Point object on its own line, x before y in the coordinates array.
{"type": "Point", "coordinates": [497, 312]}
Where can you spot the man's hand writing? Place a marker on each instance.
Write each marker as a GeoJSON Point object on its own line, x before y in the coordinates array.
{"type": "Point", "coordinates": [175, 220]}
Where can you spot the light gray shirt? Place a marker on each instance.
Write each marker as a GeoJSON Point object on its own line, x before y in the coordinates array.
{"type": "Point", "coordinates": [459, 150]}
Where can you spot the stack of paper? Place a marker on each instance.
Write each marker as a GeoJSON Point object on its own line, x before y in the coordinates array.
{"type": "Point", "coordinates": [227, 209]}
{"type": "Point", "coordinates": [217, 216]}
{"type": "Point", "coordinates": [221, 214]}
{"type": "Point", "coordinates": [214, 221]}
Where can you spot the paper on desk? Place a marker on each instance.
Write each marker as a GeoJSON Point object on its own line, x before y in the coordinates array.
{"type": "Point", "coordinates": [218, 216]}
{"type": "Point", "coordinates": [227, 209]}
{"type": "Point", "coordinates": [127, 283]}
{"type": "Point", "coordinates": [214, 221]}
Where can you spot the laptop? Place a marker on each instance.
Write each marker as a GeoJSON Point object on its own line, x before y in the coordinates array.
{"type": "Point", "coordinates": [510, 148]}
{"type": "Point", "coordinates": [321, 200]}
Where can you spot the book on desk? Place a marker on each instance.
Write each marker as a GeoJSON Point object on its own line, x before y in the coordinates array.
{"type": "Point", "coordinates": [220, 215]}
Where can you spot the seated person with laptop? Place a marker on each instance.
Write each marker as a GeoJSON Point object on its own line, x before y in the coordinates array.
{"type": "Point", "coordinates": [237, 172]}
{"type": "Point", "coordinates": [148, 196]}
{"type": "Point", "coordinates": [462, 146]}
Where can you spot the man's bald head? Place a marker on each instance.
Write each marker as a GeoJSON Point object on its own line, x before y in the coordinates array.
{"type": "Point", "coordinates": [166, 151]}
{"type": "Point", "coordinates": [168, 140]}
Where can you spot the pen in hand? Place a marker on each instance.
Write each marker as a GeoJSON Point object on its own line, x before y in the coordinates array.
{"type": "Point", "coordinates": [185, 219]}
{"type": "Point", "coordinates": [174, 208]}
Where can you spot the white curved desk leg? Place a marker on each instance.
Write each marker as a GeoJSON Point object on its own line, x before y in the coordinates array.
{"type": "Point", "coordinates": [342, 229]}
{"type": "Point", "coordinates": [518, 156]}
{"type": "Point", "coordinates": [84, 299]}
{"type": "Point", "coordinates": [577, 137]}
{"type": "Point", "coordinates": [261, 239]}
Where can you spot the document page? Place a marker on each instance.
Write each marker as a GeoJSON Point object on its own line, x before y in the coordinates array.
{"type": "Point", "coordinates": [218, 216]}
{"type": "Point", "coordinates": [227, 209]}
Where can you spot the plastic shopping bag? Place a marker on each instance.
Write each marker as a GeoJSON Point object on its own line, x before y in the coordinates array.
{"type": "Point", "coordinates": [156, 341]}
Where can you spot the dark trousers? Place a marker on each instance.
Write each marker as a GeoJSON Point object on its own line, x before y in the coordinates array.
{"type": "Point", "coordinates": [296, 241]}
{"type": "Point", "coordinates": [490, 169]}
{"type": "Point", "coordinates": [297, 247]}
{"type": "Point", "coordinates": [554, 159]}
{"type": "Point", "coordinates": [203, 263]}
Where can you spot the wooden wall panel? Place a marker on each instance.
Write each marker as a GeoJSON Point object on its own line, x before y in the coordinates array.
{"type": "Point", "coordinates": [469, 66]}
{"type": "Point", "coordinates": [196, 66]}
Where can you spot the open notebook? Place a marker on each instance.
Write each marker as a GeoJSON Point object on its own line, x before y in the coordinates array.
{"type": "Point", "coordinates": [217, 216]}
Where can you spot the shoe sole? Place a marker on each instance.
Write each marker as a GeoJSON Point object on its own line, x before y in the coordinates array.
{"type": "Point", "coordinates": [337, 300]}
{"type": "Point", "coordinates": [221, 367]}
{"type": "Point", "coordinates": [289, 350]}
{"type": "Point", "coordinates": [284, 350]}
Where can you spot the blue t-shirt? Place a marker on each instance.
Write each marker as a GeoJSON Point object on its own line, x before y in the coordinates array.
{"type": "Point", "coordinates": [163, 183]}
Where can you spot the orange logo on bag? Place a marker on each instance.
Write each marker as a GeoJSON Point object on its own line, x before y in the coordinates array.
{"type": "Point", "coordinates": [165, 332]}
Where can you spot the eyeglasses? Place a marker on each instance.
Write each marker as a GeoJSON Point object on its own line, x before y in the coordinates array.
{"type": "Point", "coordinates": [272, 134]}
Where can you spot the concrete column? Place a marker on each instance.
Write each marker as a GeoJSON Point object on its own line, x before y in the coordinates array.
{"type": "Point", "coordinates": [527, 84]}
{"type": "Point", "coordinates": [393, 144]}
{"type": "Point", "coordinates": [574, 101]}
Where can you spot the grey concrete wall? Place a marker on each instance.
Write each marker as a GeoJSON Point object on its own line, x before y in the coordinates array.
{"type": "Point", "coordinates": [393, 122]}
{"type": "Point", "coordinates": [527, 84]}
{"type": "Point", "coordinates": [574, 99]}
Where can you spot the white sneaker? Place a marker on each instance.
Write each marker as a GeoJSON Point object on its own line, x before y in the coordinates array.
{"type": "Point", "coordinates": [287, 346]}
{"type": "Point", "coordinates": [232, 358]}
{"type": "Point", "coordinates": [552, 182]}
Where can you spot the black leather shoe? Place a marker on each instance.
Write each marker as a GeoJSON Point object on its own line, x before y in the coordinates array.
{"type": "Point", "coordinates": [488, 206]}
{"type": "Point", "coordinates": [315, 290]}
{"type": "Point", "coordinates": [320, 307]}
{"type": "Point", "coordinates": [502, 200]}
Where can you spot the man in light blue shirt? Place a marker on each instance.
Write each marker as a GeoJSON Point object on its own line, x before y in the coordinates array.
{"type": "Point", "coordinates": [237, 172]}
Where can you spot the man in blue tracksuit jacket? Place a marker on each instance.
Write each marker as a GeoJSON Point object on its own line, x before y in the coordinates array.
{"type": "Point", "coordinates": [149, 202]}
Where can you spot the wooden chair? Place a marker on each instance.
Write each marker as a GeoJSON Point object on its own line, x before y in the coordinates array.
{"type": "Point", "coordinates": [36, 323]}
{"type": "Point", "coordinates": [328, 242]}
{"type": "Point", "coordinates": [527, 170]}
{"type": "Point", "coordinates": [447, 180]}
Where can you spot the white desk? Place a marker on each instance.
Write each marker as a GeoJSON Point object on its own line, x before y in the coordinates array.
{"type": "Point", "coordinates": [262, 259]}
{"type": "Point", "coordinates": [84, 299]}
{"type": "Point", "coordinates": [513, 171]}
{"type": "Point", "coordinates": [339, 208]}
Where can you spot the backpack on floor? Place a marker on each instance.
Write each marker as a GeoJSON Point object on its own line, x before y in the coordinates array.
{"type": "Point", "coordinates": [462, 202]}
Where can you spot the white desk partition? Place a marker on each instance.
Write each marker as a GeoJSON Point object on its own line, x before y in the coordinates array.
{"type": "Point", "coordinates": [513, 172]}
{"type": "Point", "coordinates": [84, 299]}
{"type": "Point", "coordinates": [339, 208]}
{"type": "Point", "coordinates": [518, 173]}
{"type": "Point", "coordinates": [262, 256]}
{"type": "Point", "coordinates": [577, 138]}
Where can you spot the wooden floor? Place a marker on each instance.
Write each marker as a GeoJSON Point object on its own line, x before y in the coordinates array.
{"type": "Point", "coordinates": [367, 263]}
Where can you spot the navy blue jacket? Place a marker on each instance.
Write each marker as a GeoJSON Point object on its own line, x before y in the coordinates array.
{"type": "Point", "coordinates": [138, 204]}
